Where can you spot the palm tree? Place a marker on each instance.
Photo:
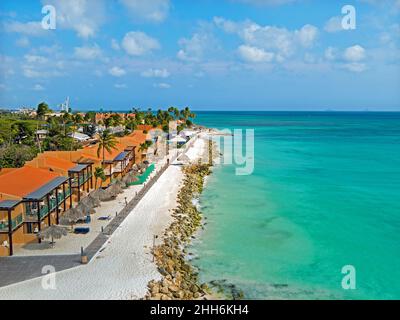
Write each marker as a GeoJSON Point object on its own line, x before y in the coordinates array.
{"type": "Point", "coordinates": [106, 142]}
{"type": "Point", "coordinates": [99, 174]}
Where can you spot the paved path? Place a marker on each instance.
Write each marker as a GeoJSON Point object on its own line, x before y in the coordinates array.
{"type": "Point", "coordinates": [17, 269]}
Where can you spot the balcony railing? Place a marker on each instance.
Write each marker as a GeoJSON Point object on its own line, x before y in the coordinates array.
{"type": "Point", "coordinates": [82, 179]}
{"type": "Point", "coordinates": [44, 210]}
{"type": "Point", "coordinates": [15, 222]}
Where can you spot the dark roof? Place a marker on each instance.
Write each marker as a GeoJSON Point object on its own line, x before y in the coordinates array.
{"type": "Point", "coordinates": [78, 168]}
{"type": "Point", "coordinates": [9, 204]}
{"type": "Point", "coordinates": [46, 189]}
{"type": "Point", "coordinates": [130, 148]}
{"type": "Point", "coordinates": [121, 156]}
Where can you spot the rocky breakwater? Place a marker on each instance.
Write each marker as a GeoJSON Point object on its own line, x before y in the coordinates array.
{"type": "Point", "coordinates": [180, 280]}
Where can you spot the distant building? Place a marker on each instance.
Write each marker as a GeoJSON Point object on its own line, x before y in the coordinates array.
{"type": "Point", "coordinates": [81, 137]}
{"type": "Point", "coordinates": [41, 134]}
{"type": "Point", "coordinates": [100, 117]}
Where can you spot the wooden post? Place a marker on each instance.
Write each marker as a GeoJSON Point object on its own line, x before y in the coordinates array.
{"type": "Point", "coordinates": [57, 210]}
{"type": "Point", "coordinates": [39, 221]}
{"type": "Point", "coordinates": [79, 187]}
{"type": "Point", "coordinates": [91, 176]}
{"type": "Point", "coordinates": [48, 210]}
{"type": "Point", "coordinates": [65, 200]}
{"type": "Point", "coordinates": [10, 231]}
{"type": "Point", "coordinates": [70, 193]}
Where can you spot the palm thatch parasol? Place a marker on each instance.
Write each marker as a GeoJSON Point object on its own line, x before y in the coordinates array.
{"type": "Point", "coordinates": [103, 195]}
{"type": "Point", "coordinates": [185, 159]}
{"type": "Point", "coordinates": [122, 184]}
{"type": "Point", "coordinates": [85, 209]}
{"type": "Point", "coordinates": [115, 189]}
{"type": "Point", "coordinates": [71, 216]}
{"type": "Point", "coordinates": [91, 202]}
{"type": "Point", "coordinates": [53, 232]}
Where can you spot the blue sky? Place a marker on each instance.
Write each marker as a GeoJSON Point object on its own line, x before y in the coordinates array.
{"type": "Point", "coordinates": [212, 55]}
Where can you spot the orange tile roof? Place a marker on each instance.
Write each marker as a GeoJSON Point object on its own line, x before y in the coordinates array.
{"type": "Point", "coordinates": [139, 136]}
{"type": "Point", "coordinates": [91, 152]}
{"type": "Point", "coordinates": [6, 170]}
{"type": "Point", "coordinates": [53, 162]}
{"type": "Point", "coordinates": [25, 180]}
{"type": "Point", "coordinates": [146, 127]}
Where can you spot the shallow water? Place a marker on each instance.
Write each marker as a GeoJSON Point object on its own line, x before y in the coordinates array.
{"type": "Point", "coordinates": [324, 194]}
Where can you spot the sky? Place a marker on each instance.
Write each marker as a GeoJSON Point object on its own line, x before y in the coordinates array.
{"type": "Point", "coordinates": [205, 54]}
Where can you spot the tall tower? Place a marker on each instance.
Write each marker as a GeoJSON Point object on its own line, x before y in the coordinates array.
{"type": "Point", "coordinates": [65, 105]}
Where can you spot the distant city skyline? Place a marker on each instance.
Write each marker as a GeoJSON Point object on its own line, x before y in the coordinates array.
{"type": "Point", "coordinates": [272, 55]}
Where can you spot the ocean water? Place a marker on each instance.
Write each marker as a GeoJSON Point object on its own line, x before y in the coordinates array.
{"type": "Point", "coordinates": [325, 193]}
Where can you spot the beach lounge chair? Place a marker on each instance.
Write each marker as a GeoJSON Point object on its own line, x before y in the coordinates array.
{"type": "Point", "coordinates": [82, 230]}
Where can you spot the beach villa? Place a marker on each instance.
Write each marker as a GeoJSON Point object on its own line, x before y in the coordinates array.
{"type": "Point", "coordinates": [36, 196]}
{"type": "Point", "coordinates": [30, 200]}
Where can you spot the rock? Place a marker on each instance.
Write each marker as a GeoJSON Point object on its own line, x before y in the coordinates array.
{"type": "Point", "coordinates": [173, 288]}
{"type": "Point", "coordinates": [155, 290]}
{"type": "Point", "coordinates": [194, 288]}
{"type": "Point", "coordinates": [164, 290]}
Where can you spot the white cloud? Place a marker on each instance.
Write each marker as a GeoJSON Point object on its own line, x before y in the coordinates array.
{"type": "Point", "coordinates": [194, 49]}
{"type": "Point", "coordinates": [35, 59]}
{"type": "Point", "coordinates": [117, 72]}
{"type": "Point", "coordinates": [115, 45]}
{"type": "Point", "coordinates": [334, 24]}
{"type": "Point", "coordinates": [155, 73]}
{"type": "Point", "coordinates": [280, 41]}
{"type": "Point", "coordinates": [138, 43]}
{"type": "Point", "coordinates": [355, 67]}
{"type": "Point", "coordinates": [120, 86]}
{"type": "Point", "coordinates": [38, 87]}
{"type": "Point", "coordinates": [307, 35]}
{"type": "Point", "coordinates": [148, 10]}
{"type": "Point", "coordinates": [253, 54]}
{"type": "Point", "coordinates": [331, 53]}
{"type": "Point", "coordinates": [266, 2]}
{"type": "Point", "coordinates": [354, 54]}
{"type": "Point", "coordinates": [32, 28]}
{"type": "Point", "coordinates": [23, 42]}
{"type": "Point", "coordinates": [162, 85]}
{"type": "Point", "coordinates": [88, 52]}
{"type": "Point", "coordinates": [85, 17]}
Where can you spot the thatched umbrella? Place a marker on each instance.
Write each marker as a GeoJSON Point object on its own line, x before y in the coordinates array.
{"type": "Point", "coordinates": [94, 201]}
{"type": "Point", "coordinates": [103, 195]}
{"type": "Point", "coordinates": [53, 232]}
{"type": "Point", "coordinates": [184, 158]}
{"type": "Point", "coordinates": [85, 209]}
{"type": "Point", "coordinates": [122, 184]}
{"type": "Point", "coordinates": [115, 189]}
{"type": "Point", "coordinates": [91, 202]}
{"type": "Point", "coordinates": [71, 216]}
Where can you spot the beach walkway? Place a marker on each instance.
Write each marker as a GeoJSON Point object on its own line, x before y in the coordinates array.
{"type": "Point", "coordinates": [121, 263]}
{"type": "Point", "coordinates": [124, 265]}
{"type": "Point", "coordinates": [21, 268]}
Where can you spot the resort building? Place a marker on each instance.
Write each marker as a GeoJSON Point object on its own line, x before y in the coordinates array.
{"type": "Point", "coordinates": [36, 196]}
{"type": "Point", "coordinates": [100, 117]}
{"type": "Point", "coordinates": [30, 200]}
{"type": "Point", "coordinates": [81, 174]}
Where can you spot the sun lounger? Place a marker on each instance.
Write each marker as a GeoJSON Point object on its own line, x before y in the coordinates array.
{"type": "Point", "coordinates": [82, 230]}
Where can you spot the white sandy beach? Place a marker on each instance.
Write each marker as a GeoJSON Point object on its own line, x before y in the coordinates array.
{"type": "Point", "coordinates": [124, 266]}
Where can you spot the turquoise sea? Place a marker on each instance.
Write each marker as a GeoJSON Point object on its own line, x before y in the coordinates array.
{"type": "Point", "coordinates": [325, 193]}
